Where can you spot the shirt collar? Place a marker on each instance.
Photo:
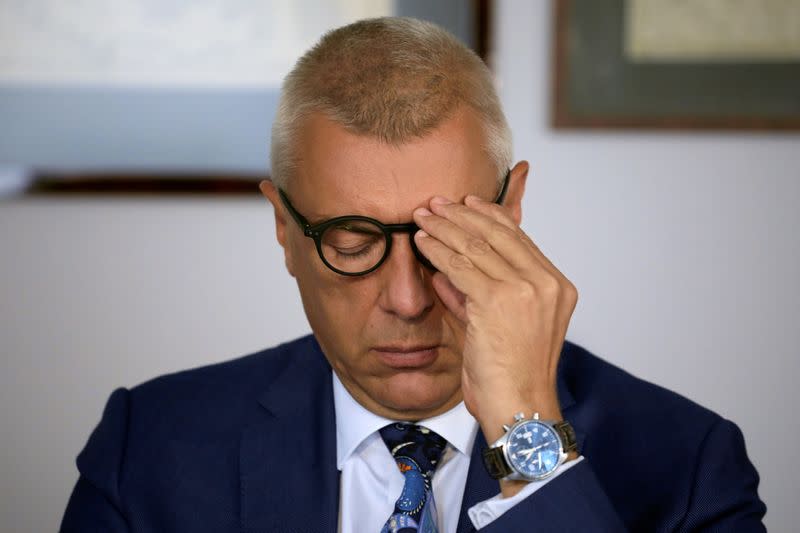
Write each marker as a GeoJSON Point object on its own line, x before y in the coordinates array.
{"type": "Point", "coordinates": [354, 423]}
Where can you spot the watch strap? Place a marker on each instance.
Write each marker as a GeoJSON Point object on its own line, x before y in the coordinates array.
{"type": "Point", "coordinates": [495, 462]}
{"type": "Point", "coordinates": [569, 441]}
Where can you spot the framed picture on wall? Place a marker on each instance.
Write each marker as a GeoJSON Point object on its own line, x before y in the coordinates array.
{"type": "Point", "coordinates": [166, 99]}
{"type": "Point", "coordinates": [699, 64]}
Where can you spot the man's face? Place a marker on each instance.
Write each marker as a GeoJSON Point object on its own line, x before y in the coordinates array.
{"type": "Point", "coordinates": [389, 338]}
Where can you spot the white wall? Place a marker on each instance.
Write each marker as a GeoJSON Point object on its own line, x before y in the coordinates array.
{"type": "Point", "coordinates": [684, 248]}
{"type": "Point", "coordinates": [96, 294]}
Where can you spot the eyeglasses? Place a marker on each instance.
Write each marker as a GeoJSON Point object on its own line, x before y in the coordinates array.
{"type": "Point", "coordinates": [355, 245]}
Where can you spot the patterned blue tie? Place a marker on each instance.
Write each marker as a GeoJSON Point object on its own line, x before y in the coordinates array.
{"type": "Point", "coordinates": [417, 451]}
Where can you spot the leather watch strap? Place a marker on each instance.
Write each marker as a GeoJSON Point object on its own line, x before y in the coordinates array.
{"type": "Point", "coordinates": [568, 439]}
{"type": "Point", "coordinates": [495, 463]}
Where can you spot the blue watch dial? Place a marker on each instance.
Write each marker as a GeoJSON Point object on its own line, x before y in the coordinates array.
{"type": "Point", "coordinates": [533, 449]}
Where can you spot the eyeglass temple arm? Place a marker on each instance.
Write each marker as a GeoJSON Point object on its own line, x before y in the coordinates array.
{"type": "Point", "coordinates": [301, 221]}
{"type": "Point", "coordinates": [504, 189]}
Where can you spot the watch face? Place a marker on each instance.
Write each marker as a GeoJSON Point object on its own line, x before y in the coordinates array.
{"type": "Point", "coordinates": [533, 449]}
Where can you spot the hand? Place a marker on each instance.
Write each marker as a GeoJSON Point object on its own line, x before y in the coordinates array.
{"type": "Point", "coordinates": [515, 305]}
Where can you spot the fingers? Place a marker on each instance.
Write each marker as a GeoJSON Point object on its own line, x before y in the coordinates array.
{"type": "Point", "coordinates": [451, 297]}
{"type": "Point", "coordinates": [501, 216]}
{"type": "Point", "coordinates": [458, 268]}
{"type": "Point", "coordinates": [470, 244]}
{"type": "Point", "coordinates": [458, 226]}
{"type": "Point", "coordinates": [478, 243]}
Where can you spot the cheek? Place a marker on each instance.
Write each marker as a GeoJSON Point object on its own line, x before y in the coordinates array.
{"type": "Point", "coordinates": [301, 256]}
{"type": "Point", "coordinates": [338, 308]}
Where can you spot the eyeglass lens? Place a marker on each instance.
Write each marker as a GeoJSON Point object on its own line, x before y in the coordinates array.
{"type": "Point", "coordinates": [353, 246]}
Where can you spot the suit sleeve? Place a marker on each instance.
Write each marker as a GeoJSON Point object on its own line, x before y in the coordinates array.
{"type": "Point", "coordinates": [95, 504]}
{"type": "Point", "coordinates": [574, 502]}
{"type": "Point", "coordinates": [723, 496]}
{"type": "Point", "coordinates": [725, 491]}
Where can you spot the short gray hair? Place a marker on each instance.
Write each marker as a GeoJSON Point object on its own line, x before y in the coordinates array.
{"type": "Point", "coordinates": [391, 78]}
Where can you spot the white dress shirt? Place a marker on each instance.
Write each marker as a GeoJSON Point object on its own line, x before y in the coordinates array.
{"type": "Point", "coordinates": [370, 481]}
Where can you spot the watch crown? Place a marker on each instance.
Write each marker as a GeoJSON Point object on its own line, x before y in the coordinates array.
{"type": "Point", "coordinates": [519, 416]}
{"type": "Point", "coordinates": [535, 416]}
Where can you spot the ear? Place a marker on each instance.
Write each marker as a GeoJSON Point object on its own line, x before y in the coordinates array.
{"type": "Point", "coordinates": [516, 189]}
{"type": "Point", "coordinates": [270, 192]}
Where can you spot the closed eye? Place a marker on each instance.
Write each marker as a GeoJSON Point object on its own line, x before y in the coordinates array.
{"type": "Point", "coordinates": [353, 253]}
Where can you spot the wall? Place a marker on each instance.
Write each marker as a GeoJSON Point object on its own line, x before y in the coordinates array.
{"type": "Point", "coordinates": [683, 246]}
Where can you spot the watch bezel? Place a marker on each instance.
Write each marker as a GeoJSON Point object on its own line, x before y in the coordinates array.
{"type": "Point", "coordinates": [521, 476]}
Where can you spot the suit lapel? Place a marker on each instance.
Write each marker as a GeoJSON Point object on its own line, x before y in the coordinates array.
{"type": "Point", "coordinates": [480, 486]}
{"type": "Point", "coordinates": [289, 480]}
{"type": "Point", "coordinates": [288, 475]}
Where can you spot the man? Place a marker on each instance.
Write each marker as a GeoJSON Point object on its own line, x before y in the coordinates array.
{"type": "Point", "coordinates": [437, 392]}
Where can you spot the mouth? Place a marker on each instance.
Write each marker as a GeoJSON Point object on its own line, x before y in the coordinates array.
{"type": "Point", "coordinates": [407, 357]}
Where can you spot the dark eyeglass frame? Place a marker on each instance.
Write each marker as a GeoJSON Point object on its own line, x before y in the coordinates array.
{"type": "Point", "coordinates": [315, 231]}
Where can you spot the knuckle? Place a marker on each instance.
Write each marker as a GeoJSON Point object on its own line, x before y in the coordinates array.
{"type": "Point", "coordinates": [477, 246]}
{"type": "Point", "coordinates": [550, 286]}
{"type": "Point", "coordinates": [452, 208]}
{"type": "Point", "coordinates": [498, 210]}
{"type": "Point", "coordinates": [553, 289]}
{"type": "Point", "coordinates": [524, 289]}
{"type": "Point", "coordinates": [570, 288]}
{"type": "Point", "coordinates": [571, 292]}
{"type": "Point", "coordinates": [461, 262]}
{"type": "Point", "coordinates": [499, 231]}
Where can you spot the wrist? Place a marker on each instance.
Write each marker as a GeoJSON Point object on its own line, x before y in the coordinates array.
{"type": "Point", "coordinates": [504, 431]}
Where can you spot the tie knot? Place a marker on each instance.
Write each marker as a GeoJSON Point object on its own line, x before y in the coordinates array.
{"type": "Point", "coordinates": [414, 447]}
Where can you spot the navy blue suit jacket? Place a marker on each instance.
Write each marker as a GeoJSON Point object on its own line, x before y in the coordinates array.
{"type": "Point", "coordinates": [249, 446]}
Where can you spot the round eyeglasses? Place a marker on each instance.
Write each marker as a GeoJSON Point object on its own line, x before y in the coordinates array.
{"type": "Point", "coordinates": [355, 245]}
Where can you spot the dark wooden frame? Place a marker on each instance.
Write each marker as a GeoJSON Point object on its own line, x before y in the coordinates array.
{"type": "Point", "coordinates": [184, 183]}
{"type": "Point", "coordinates": [130, 183]}
{"type": "Point", "coordinates": [564, 116]}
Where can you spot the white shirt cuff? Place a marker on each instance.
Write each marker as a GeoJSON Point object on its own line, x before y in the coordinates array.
{"type": "Point", "coordinates": [484, 513]}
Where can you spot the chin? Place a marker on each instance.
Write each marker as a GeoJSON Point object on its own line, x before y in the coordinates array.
{"type": "Point", "coordinates": [418, 396]}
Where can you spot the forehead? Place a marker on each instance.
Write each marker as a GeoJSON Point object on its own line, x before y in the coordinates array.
{"type": "Point", "coordinates": [339, 172]}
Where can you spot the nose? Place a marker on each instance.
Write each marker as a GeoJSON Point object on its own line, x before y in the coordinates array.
{"type": "Point", "coordinates": [407, 292]}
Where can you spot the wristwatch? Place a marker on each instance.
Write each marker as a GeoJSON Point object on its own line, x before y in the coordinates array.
{"type": "Point", "coordinates": [530, 449]}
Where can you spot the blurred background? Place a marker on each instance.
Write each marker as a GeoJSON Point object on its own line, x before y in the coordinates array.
{"type": "Point", "coordinates": [683, 242]}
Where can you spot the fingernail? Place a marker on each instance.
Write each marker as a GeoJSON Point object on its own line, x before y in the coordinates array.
{"type": "Point", "coordinates": [423, 212]}
{"type": "Point", "coordinates": [421, 233]}
{"type": "Point", "coordinates": [440, 200]}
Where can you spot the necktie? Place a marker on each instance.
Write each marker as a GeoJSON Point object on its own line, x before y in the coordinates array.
{"type": "Point", "coordinates": [417, 451]}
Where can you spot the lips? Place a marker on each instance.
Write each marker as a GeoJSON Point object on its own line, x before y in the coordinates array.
{"type": "Point", "coordinates": [407, 357]}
